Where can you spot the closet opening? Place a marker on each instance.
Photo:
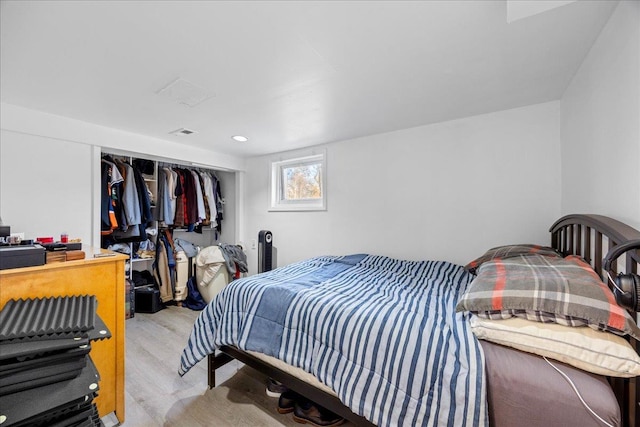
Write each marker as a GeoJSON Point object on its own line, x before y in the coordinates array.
{"type": "Point", "coordinates": [161, 213]}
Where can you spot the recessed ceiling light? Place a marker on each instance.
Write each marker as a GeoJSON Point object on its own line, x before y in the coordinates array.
{"type": "Point", "coordinates": [239, 138]}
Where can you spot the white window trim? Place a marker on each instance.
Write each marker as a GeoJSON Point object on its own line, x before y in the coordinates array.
{"type": "Point", "coordinates": [278, 204]}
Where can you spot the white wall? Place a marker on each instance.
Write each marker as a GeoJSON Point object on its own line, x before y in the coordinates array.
{"type": "Point", "coordinates": [444, 191]}
{"type": "Point", "coordinates": [600, 124]}
{"type": "Point", "coordinates": [49, 168]}
{"type": "Point", "coordinates": [45, 186]}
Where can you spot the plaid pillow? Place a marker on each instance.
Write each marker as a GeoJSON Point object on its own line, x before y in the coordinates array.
{"type": "Point", "coordinates": [510, 251]}
{"type": "Point", "coordinates": [546, 289]}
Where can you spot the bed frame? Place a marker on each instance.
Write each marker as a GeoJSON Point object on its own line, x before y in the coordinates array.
{"type": "Point", "coordinates": [312, 393]}
{"type": "Point", "coordinates": [591, 237]}
{"type": "Point", "coordinates": [588, 236]}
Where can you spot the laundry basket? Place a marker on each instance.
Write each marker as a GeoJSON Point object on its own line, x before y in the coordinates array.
{"type": "Point", "coordinates": [211, 272]}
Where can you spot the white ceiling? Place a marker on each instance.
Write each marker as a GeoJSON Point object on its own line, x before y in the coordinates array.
{"type": "Point", "coordinates": [286, 74]}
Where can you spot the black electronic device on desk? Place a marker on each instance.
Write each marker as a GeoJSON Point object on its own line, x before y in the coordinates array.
{"type": "Point", "coordinates": [17, 256]}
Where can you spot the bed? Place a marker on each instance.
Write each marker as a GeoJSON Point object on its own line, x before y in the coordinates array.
{"type": "Point", "coordinates": [317, 327]}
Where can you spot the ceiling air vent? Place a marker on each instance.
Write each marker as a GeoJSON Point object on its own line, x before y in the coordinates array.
{"type": "Point", "coordinates": [182, 131]}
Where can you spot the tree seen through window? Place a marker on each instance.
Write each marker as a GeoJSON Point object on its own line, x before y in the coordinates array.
{"type": "Point", "coordinates": [303, 182]}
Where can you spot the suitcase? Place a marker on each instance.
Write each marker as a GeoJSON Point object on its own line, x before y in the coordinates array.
{"type": "Point", "coordinates": [182, 275]}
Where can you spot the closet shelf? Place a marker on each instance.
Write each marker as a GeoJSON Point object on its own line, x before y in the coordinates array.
{"type": "Point", "coordinates": [141, 259]}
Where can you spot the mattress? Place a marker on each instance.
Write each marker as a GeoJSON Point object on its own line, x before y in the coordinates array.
{"type": "Point", "coordinates": [524, 390]}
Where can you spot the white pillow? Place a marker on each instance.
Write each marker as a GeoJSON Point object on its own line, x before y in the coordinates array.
{"type": "Point", "coordinates": [593, 351]}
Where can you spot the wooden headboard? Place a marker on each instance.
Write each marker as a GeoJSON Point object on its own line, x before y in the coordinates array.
{"type": "Point", "coordinates": [591, 237]}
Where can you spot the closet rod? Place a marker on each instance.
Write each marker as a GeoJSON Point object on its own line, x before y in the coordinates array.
{"type": "Point", "coordinates": [199, 169]}
{"type": "Point", "coordinates": [163, 163]}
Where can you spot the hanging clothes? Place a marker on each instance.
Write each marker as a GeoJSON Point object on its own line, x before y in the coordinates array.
{"type": "Point", "coordinates": [111, 207]}
{"type": "Point", "coordinates": [202, 214]}
{"type": "Point", "coordinates": [219, 207]}
{"type": "Point", "coordinates": [211, 199]}
{"type": "Point", "coordinates": [130, 198]}
{"type": "Point", "coordinates": [207, 210]}
{"type": "Point", "coordinates": [108, 219]}
{"type": "Point", "coordinates": [167, 179]}
{"type": "Point", "coordinates": [184, 198]}
{"type": "Point", "coordinates": [143, 197]}
{"type": "Point", "coordinates": [191, 212]}
{"type": "Point", "coordinates": [124, 202]}
{"type": "Point", "coordinates": [159, 212]}
{"type": "Point", "coordinates": [162, 271]}
{"type": "Point", "coordinates": [172, 178]}
{"type": "Point", "coordinates": [179, 218]}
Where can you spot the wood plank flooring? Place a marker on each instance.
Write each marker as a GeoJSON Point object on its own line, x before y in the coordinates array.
{"type": "Point", "coordinates": [157, 396]}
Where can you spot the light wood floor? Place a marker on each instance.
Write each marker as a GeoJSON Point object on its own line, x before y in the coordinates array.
{"type": "Point", "coordinates": [157, 396]}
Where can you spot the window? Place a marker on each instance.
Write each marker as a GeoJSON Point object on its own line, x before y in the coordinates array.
{"type": "Point", "coordinates": [299, 184]}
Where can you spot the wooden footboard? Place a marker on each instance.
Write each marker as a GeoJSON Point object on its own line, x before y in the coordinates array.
{"type": "Point", "coordinates": [591, 237]}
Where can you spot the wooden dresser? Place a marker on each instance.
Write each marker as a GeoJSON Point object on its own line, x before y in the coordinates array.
{"type": "Point", "coordinates": [102, 277]}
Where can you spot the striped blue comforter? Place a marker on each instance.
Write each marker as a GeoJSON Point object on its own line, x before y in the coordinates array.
{"type": "Point", "coordinates": [382, 333]}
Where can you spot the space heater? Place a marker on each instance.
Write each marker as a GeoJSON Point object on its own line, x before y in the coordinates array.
{"type": "Point", "coordinates": [265, 251]}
